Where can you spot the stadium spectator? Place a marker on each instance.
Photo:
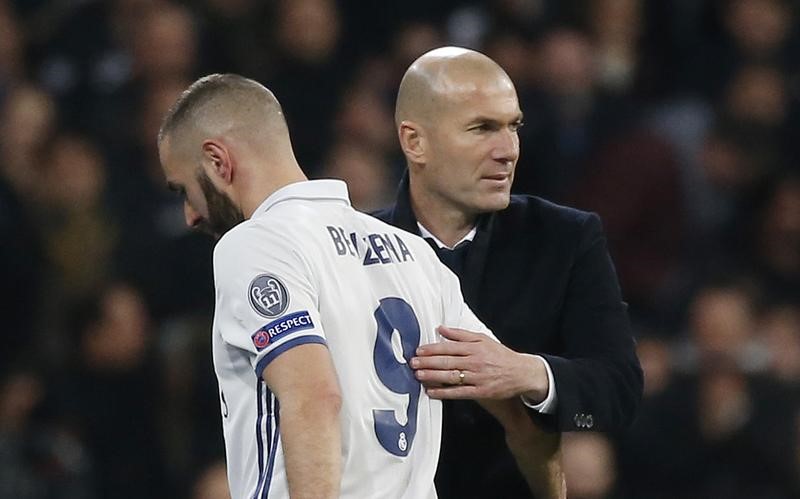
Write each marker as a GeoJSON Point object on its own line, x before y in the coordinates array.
{"type": "Point", "coordinates": [715, 80]}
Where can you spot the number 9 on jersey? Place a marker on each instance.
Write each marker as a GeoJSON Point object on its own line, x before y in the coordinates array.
{"type": "Point", "coordinates": [394, 314]}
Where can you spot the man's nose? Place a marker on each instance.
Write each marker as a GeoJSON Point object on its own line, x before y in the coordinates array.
{"type": "Point", "coordinates": [507, 147]}
{"type": "Point", "coordinates": [192, 217]}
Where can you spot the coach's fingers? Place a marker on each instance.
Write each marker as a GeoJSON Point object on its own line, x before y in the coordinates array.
{"type": "Point", "coordinates": [448, 377]}
{"type": "Point", "coordinates": [453, 348]}
{"type": "Point", "coordinates": [439, 362]}
{"type": "Point", "coordinates": [453, 392]}
{"type": "Point", "coordinates": [456, 334]}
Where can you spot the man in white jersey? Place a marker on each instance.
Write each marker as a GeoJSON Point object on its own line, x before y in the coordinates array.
{"type": "Point", "coordinates": [318, 309]}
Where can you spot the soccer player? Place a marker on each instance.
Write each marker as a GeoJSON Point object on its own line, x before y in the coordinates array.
{"type": "Point", "coordinates": [319, 309]}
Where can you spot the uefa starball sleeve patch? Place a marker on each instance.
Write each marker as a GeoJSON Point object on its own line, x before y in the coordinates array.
{"type": "Point", "coordinates": [268, 296]}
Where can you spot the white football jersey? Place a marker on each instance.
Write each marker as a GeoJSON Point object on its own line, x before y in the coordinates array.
{"type": "Point", "coordinates": [308, 268]}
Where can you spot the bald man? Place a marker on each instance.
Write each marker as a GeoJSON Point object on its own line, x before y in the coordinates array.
{"type": "Point", "coordinates": [319, 310]}
{"type": "Point", "coordinates": [538, 274]}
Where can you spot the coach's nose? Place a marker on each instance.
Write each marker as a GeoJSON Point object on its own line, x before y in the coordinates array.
{"type": "Point", "coordinates": [193, 218]}
{"type": "Point", "coordinates": [506, 146]}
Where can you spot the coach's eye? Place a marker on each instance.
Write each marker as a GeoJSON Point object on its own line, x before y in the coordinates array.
{"type": "Point", "coordinates": [480, 128]}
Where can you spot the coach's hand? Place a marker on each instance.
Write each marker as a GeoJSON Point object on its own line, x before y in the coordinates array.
{"type": "Point", "coordinates": [474, 366]}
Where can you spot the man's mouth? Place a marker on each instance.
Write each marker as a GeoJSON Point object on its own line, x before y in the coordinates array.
{"type": "Point", "coordinates": [497, 177]}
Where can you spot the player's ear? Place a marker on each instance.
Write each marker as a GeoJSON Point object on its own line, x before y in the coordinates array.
{"type": "Point", "coordinates": [217, 159]}
{"type": "Point", "coordinates": [412, 141]}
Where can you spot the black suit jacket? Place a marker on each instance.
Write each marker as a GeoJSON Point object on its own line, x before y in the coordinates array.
{"type": "Point", "coordinates": [540, 276]}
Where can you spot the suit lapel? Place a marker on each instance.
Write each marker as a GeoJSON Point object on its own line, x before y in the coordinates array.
{"type": "Point", "coordinates": [476, 261]}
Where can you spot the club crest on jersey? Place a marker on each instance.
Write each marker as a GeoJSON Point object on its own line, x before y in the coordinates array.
{"type": "Point", "coordinates": [268, 296]}
{"type": "Point", "coordinates": [294, 322]}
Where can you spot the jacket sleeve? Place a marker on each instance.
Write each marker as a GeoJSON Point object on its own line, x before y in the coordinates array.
{"type": "Point", "coordinates": [597, 376]}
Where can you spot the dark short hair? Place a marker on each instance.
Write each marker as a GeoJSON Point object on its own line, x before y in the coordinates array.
{"type": "Point", "coordinates": [200, 93]}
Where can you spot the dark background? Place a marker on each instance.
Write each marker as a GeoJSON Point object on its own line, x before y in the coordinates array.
{"type": "Point", "coordinates": [676, 121]}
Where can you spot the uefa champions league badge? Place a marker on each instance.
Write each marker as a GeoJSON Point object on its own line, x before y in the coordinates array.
{"type": "Point", "coordinates": [268, 296]}
{"type": "Point", "coordinates": [260, 339]}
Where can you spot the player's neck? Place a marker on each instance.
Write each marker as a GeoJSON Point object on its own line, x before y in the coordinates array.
{"type": "Point", "coordinates": [442, 219]}
{"type": "Point", "coordinates": [255, 192]}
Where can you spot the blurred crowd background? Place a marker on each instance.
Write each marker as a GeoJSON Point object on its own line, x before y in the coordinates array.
{"type": "Point", "coordinates": [677, 121]}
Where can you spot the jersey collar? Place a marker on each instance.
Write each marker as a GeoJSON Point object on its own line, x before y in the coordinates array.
{"type": "Point", "coordinates": [309, 190]}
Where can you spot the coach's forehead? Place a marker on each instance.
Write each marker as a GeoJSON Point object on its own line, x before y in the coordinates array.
{"type": "Point", "coordinates": [444, 75]}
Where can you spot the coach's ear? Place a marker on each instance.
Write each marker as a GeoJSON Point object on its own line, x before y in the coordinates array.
{"type": "Point", "coordinates": [412, 141]}
{"type": "Point", "coordinates": [217, 160]}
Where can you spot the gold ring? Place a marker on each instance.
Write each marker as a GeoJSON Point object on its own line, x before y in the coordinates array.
{"type": "Point", "coordinates": [461, 377]}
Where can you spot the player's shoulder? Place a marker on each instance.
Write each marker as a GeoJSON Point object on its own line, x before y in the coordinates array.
{"type": "Point", "coordinates": [254, 233]}
{"type": "Point", "coordinates": [235, 239]}
{"type": "Point", "coordinates": [370, 224]}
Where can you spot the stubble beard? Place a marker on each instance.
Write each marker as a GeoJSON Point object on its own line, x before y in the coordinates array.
{"type": "Point", "coordinates": [223, 214]}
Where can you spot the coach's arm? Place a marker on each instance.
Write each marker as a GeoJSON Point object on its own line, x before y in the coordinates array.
{"type": "Point", "coordinates": [305, 384]}
{"type": "Point", "coordinates": [536, 452]}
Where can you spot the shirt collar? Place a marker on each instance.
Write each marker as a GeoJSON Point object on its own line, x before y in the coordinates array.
{"type": "Point", "coordinates": [425, 233]}
{"type": "Point", "coordinates": [307, 189]}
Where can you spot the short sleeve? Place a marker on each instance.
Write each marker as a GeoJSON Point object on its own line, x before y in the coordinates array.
{"type": "Point", "coordinates": [266, 300]}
